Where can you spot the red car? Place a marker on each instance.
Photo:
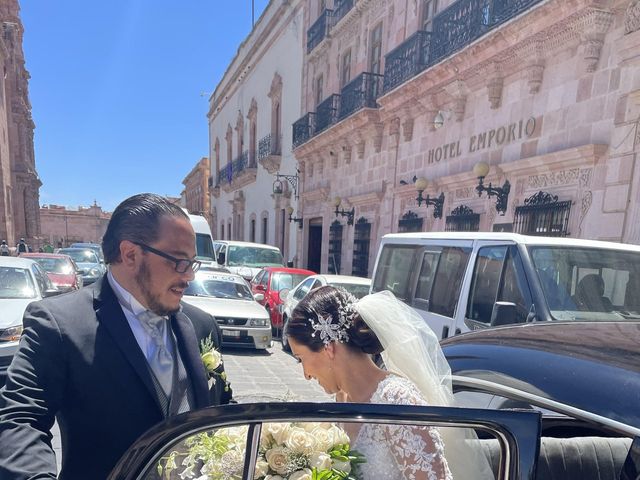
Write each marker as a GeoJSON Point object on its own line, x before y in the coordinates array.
{"type": "Point", "coordinates": [269, 281]}
{"type": "Point", "coordinates": [61, 270]}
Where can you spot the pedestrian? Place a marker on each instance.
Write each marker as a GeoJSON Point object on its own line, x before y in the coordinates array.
{"type": "Point", "coordinates": [111, 360]}
{"type": "Point", "coordinates": [48, 248]}
{"type": "Point", "coordinates": [22, 247]}
{"type": "Point", "coordinates": [4, 249]}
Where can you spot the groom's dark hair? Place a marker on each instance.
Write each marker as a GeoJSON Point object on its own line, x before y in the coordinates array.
{"type": "Point", "coordinates": [329, 302]}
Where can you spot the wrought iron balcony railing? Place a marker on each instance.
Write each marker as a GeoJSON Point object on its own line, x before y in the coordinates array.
{"type": "Point", "coordinates": [503, 10]}
{"type": "Point", "coordinates": [240, 163]}
{"type": "Point", "coordinates": [269, 145]}
{"type": "Point", "coordinates": [303, 129]}
{"type": "Point", "coordinates": [327, 112]}
{"type": "Point", "coordinates": [319, 30]}
{"type": "Point", "coordinates": [225, 174]}
{"type": "Point", "coordinates": [341, 8]}
{"type": "Point", "coordinates": [407, 60]}
{"type": "Point", "coordinates": [361, 92]}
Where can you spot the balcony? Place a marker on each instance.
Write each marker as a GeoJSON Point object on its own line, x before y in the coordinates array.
{"type": "Point", "coordinates": [406, 60]}
{"type": "Point", "coordinates": [303, 129]}
{"type": "Point", "coordinates": [504, 10]}
{"type": "Point", "coordinates": [341, 8]}
{"type": "Point", "coordinates": [237, 174]}
{"type": "Point", "coordinates": [361, 92]}
{"type": "Point", "coordinates": [319, 30]}
{"type": "Point", "coordinates": [327, 113]}
{"type": "Point", "coordinates": [270, 152]}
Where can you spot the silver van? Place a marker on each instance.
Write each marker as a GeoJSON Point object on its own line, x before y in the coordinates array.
{"type": "Point", "coordinates": [466, 281]}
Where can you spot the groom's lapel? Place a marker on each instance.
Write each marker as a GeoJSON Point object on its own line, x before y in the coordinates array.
{"type": "Point", "coordinates": [110, 314]}
{"type": "Point", "coordinates": [188, 347]}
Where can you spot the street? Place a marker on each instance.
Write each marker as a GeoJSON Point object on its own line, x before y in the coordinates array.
{"type": "Point", "coordinates": [257, 376]}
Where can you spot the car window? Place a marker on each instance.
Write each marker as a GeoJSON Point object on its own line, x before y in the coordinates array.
{"type": "Point", "coordinates": [264, 280]}
{"type": "Point", "coordinates": [16, 283]}
{"type": "Point", "coordinates": [256, 279]}
{"type": "Point", "coordinates": [240, 255]}
{"type": "Point", "coordinates": [588, 283]}
{"type": "Point", "coordinates": [355, 289]}
{"type": "Point", "coordinates": [485, 283]}
{"type": "Point", "coordinates": [55, 265]}
{"type": "Point", "coordinates": [282, 280]}
{"type": "Point", "coordinates": [219, 287]}
{"type": "Point", "coordinates": [426, 276]}
{"type": "Point", "coordinates": [450, 269]}
{"type": "Point", "coordinates": [303, 289]}
{"type": "Point", "coordinates": [81, 256]}
{"type": "Point", "coordinates": [394, 270]}
{"type": "Point", "coordinates": [329, 450]}
{"type": "Point", "coordinates": [204, 247]}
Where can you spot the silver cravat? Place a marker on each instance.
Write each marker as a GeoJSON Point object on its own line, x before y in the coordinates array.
{"type": "Point", "coordinates": [161, 360]}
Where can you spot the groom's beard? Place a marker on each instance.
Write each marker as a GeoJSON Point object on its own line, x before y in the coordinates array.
{"type": "Point", "coordinates": [143, 278]}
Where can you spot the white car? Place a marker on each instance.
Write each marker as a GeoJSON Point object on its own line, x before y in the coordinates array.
{"type": "Point", "coordinates": [227, 297]}
{"type": "Point", "coordinates": [357, 286]}
{"type": "Point", "coordinates": [246, 258]}
{"type": "Point", "coordinates": [22, 281]}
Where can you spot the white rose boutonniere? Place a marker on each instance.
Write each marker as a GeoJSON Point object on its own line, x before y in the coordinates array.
{"type": "Point", "coordinates": [212, 361]}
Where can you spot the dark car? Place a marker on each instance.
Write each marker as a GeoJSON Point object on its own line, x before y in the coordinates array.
{"type": "Point", "coordinates": [268, 282]}
{"type": "Point", "coordinates": [550, 401]}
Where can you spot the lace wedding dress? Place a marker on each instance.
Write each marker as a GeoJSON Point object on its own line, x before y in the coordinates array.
{"type": "Point", "coordinates": [401, 452]}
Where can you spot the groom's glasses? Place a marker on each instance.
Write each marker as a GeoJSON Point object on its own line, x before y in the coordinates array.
{"type": "Point", "coordinates": [181, 264]}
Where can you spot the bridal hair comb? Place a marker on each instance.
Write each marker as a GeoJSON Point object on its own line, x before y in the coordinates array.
{"type": "Point", "coordinates": [331, 331]}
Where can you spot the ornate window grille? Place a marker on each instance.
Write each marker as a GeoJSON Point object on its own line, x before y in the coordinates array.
{"type": "Point", "coordinates": [361, 92]}
{"type": "Point", "coordinates": [361, 243]}
{"type": "Point", "coordinates": [463, 219]}
{"type": "Point", "coordinates": [335, 247]}
{"type": "Point", "coordinates": [327, 112]}
{"type": "Point", "coordinates": [542, 214]}
{"type": "Point", "coordinates": [410, 222]}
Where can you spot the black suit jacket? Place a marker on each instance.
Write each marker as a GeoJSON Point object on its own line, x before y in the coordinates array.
{"type": "Point", "coordinates": [78, 361]}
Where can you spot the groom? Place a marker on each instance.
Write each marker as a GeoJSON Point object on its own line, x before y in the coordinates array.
{"type": "Point", "coordinates": [111, 360]}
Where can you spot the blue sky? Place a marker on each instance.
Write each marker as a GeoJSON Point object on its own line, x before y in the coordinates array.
{"type": "Point", "coordinates": [116, 91]}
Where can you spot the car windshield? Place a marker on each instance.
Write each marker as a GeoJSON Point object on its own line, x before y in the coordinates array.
{"type": "Point", "coordinates": [95, 248]}
{"type": "Point", "coordinates": [588, 283]}
{"type": "Point", "coordinates": [282, 280]}
{"type": "Point", "coordinates": [16, 283]}
{"type": "Point", "coordinates": [356, 289]}
{"type": "Point", "coordinates": [55, 265]}
{"type": "Point", "coordinates": [253, 257]}
{"type": "Point", "coordinates": [219, 288]}
{"type": "Point", "coordinates": [81, 256]}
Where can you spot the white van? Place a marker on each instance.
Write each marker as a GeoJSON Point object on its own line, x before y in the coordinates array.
{"type": "Point", "coordinates": [466, 281]}
{"type": "Point", "coordinates": [246, 258]}
{"type": "Point", "coordinates": [204, 239]}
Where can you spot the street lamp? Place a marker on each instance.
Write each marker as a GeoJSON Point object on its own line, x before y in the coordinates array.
{"type": "Point", "coordinates": [342, 212]}
{"type": "Point", "coordinates": [421, 185]}
{"type": "Point", "coordinates": [278, 186]}
{"type": "Point", "coordinates": [480, 170]}
{"type": "Point", "coordinates": [298, 220]}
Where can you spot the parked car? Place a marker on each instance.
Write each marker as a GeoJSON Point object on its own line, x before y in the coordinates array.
{"type": "Point", "coordinates": [90, 266]}
{"type": "Point", "coordinates": [245, 258]}
{"type": "Point", "coordinates": [22, 281]}
{"type": "Point", "coordinates": [227, 296]}
{"type": "Point", "coordinates": [268, 282]}
{"type": "Point", "coordinates": [204, 239]}
{"type": "Point", "coordinates": [61, 270]}
{"type": "Point", "coordinates": [96, 247]}
{"type": "Point", "coordinates": [532, 421]}
{"type": "Point", "coordinates": [357, 286]}
{"type": "Point", "coordinates": [467, 281]}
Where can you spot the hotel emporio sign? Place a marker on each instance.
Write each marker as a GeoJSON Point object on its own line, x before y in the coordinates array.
{"type": "Point", "coordinates": [495, 137]}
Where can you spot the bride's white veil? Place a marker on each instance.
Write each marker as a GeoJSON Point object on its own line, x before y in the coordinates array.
{"type": "Point", "coordinates": [412, 350]}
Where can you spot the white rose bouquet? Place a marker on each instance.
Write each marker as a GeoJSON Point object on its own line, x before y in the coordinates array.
{"type": "Point", "coordinates": [212, 361]}
{"type": "Point", "coordinates": [287, 451]}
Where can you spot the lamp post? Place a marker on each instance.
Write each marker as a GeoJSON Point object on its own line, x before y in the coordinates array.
{"type": "Point", "coordinates": [438, 202]}
{"type": "Point", "coordinates": [298, 220]}
{"type": "Point", "coordinates": [481, 170]}
{"type": "Point", "coordinates": [278, 186]}
{"type": "Point", "coordinates": [342, 212]}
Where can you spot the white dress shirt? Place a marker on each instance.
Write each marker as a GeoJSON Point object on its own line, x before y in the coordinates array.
{"type": "Point", "coordinates": [132, 308]}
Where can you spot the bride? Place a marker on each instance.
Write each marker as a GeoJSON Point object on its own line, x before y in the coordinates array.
{"type": "Point", "coordinates": [334, 335]}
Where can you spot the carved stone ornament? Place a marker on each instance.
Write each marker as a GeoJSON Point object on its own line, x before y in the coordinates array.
{"type": "Point", "coordinates": [464, 193]}
{"type": "Point", "coordinates": [458, 92]}
{"type": "Point", "coordinates": [565, 177]}
{"type": "Point", "coordinates": [494, 91]}
{"type": "Point", "coordinates": [377, 138]}
{"type": "Point", "coordinates": [632, 17]}
{"type": "Point", "coordinates": [535, 74]}
{"type": "Point", "coordinates": [360, 148]}
{"type": "Point", "coordinates": [597, 25]}
{"type": "Point", "coordinates": [407, 128]}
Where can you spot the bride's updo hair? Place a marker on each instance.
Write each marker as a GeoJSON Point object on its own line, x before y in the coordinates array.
{"type": "Point", "coordinates": [334, 304]}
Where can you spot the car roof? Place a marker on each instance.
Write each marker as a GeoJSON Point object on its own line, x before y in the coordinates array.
{"type": "Point", "coordinates": [510, 237]}
{"type": "Point", "coordinates": [44, 255]}
{"type": "Point", "coordinates": [593, 366]}
{"type": "Point", "coordinates": [288, 270]}
{"type": "Point", "coordinates": [246, 244]}
{"type": "Point", "coordinates": [333, 279]}
{"type": "Point", "coordinates": [17, 262]}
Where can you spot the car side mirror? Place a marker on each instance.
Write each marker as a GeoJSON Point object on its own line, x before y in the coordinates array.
{"type": "Point", "coordinates": [221, 258]}
{"type": "Point", "coordinates": [51, 292]}
{"type": "Point", "coordinates": [504, 313]}
{"type": "Point", "coordinates": [259, 297]}
{"type": "Point", "coordinates": [283, 294]}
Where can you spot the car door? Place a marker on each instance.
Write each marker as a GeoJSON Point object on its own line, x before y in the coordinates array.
{"type": "Point", "coordinates": [253, 441]}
